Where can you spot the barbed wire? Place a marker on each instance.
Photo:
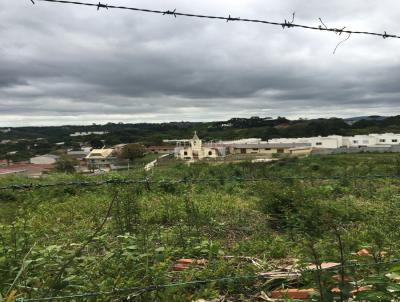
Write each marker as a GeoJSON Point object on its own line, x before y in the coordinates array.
{"type": "Point", "coordinates": [140, 290]}
{"type": "Point", "coordinates": [175, 14]}
{"type": "Point", "coordinates": [147, 181]}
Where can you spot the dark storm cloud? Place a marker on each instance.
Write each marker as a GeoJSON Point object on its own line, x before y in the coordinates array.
{"type": "Point", "coordinates": [66, 64]}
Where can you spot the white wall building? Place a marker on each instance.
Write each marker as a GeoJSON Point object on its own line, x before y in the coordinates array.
{"type": "Point", "coordinates": [241, 141]}
{"type": "Point", "coordinates": [47, 159]}
{"type": "Point", "coordinates": [387, 138]}
{"type": "Point", "coordinates": [328, 142]}
{"type": "Point", "coordinates": [337, 141]}
{"type": "Point", "coordinates": [359, 141]}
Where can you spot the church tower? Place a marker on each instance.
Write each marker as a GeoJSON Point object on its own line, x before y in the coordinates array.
{"type": "Point", "coordinates": [195, 142]}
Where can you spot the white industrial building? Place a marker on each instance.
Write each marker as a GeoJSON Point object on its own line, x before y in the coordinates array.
{"type": "Point", "coordinates": [337, 141]}
{"type": "Point", "coordinates": [387, 139]}
{"type": "Point", "coordinates": [241, 141]}
{"type": "Point", "coordinates": [328, 142]}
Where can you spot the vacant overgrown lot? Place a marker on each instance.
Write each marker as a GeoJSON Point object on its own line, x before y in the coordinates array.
{"type": "Point", "coordinates": [121, 241]}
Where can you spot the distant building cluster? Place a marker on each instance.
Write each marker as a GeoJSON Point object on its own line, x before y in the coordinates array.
{"type": "Point", "coordinates": [194, 149]}
{"type": "Point", "coordinates": [90, 160]}
{"type": "Point", "coordinates": [88, 133]}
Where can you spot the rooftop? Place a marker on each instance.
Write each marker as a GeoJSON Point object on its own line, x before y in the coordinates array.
{"type": "Point", "coordinates": [48, 155]}
{"type": "Point", "coordinates": [77, 152]}
{"type": "Point", "coordinates": [100, 153]}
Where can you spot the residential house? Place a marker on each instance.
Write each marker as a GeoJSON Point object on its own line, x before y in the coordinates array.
{"type": "Point", "coordinates": [101, 159]}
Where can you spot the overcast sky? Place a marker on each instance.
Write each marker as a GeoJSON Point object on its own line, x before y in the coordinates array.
{"type": "Point", "coordinates": [66, 64]}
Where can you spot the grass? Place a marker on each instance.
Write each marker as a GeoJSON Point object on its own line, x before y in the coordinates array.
{"type": "Point", "coordinates": [150, 227]}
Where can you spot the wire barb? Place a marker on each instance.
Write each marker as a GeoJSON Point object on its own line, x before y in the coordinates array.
{"type": "Point", "coordinates": [287, 23]}
{"type": "Point", "coordinates": [100, 5]}
{"type": "Point", "coordinates": [339, 31]}
{"type": "Point", "coordinates": [385, 35]}
{"type": "Point", "coordinates": [232, 19]}
{"type": "Point", "coordinates": [322, 22]}
{"type": "Point", "coordinates": [168, 12]}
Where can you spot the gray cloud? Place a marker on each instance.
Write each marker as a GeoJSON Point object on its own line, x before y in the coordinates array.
{"type": "Point", "coordinates": [67, 64]}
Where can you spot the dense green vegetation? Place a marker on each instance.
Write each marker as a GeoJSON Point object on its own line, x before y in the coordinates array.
{"type": "Point", "coordinates": [25, 139]}
{"type": "Point", "coordinates": [64, 240]}
{"type": "Point", "coordinates": [133, 152]}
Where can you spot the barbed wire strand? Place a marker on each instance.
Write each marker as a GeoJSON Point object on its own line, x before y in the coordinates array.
{"type": "Point", "coordinates": [194, 282]}
{"type": "Point", "coordinates": [147, 181]}
{"type": "Point", "coordinates": [174, 13]}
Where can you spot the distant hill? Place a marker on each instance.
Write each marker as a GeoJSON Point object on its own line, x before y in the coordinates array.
{"type": "Point", "coordinates": [353, 120]}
